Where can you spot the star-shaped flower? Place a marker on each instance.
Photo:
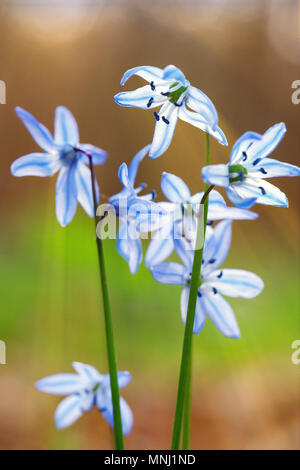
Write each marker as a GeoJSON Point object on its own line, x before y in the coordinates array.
{"type": "Point", "coordinates": [63, 154]}
{"type": "Point", "coordinates": [86, 389]}
{"type": "Point", "coordinates": [249, 165]}
{"type": "Point", "coordinates": [169, 89]}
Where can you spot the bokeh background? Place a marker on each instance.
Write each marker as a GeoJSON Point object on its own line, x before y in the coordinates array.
{"type": "Point", "coordinates": [245, 56]}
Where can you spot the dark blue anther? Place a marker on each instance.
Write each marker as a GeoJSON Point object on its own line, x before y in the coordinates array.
{"type": "Point", "coordinates": [256, 161]}
{"type": "Point", "coordinates": [212, 261]}
{"type": "Point", "coordinates": [199, 294]}
{"type": "Point", "coordinates": [153, 194]}
{"type": "Point", "coordinates": [165, 120]}
{"type": "Point", "coordinates": [263, 171]}
{"type": "Point", "coordinates": [152, 86]}
{"type": "Point", "coordinates": [263, 191]}
{"type": "Point", "coordinates": [102, 409]}
{"type": "Point", "coordinates": [156, 115]}
{"type": "Point", "coordinates": [165, 93]}
{"type": "Point", "coordinates": [202, 261]}
{"type": "Point", "coordinates": [214, 290]}
{"type": "Point", "coordinates": [244, 156]}
{"type": "Point", "coordinates": [241, 176]}
{"type": "Point", "coordinates": [209, 222]}
{"type": "Point", "coordinates": [177, 104]}
{"type": "Point", "coordinates": [220, 275]}
{"type": "Point", "coordinates": [150, 102]}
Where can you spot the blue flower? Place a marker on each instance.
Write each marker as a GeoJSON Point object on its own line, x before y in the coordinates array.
{"type": "Point", "coordinates": [131, 208]}
{"type": "Point", "coordinates": [62, 153]}
{"type": "Point", "coordinates": [180, 217]}
{"type": "Point", "coordinates": [249, 165]}
{"type": "Point", "coordinates": [85, 389]}
{"type": "Point", "coordinates": [213, 283]}
{"type": "Point", "coordinates": [169, 89]}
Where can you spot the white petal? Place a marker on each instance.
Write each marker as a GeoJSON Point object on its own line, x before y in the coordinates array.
{"type": "Point", "coordinates": [143, 98]}
{"type": "Point", "coordinates": [216, 174]}
{"type": "Point", "coordinates": [268, 142]}
{"type": "Point", "coordinates": [200, 317]}
{"type": "Point", "coordinates": [270, 168]}
{"type": "Point", "coordinates": [200, 121]}
{"type": "Point", "coordinates": [84, 188]}
{"type": "Point", "coordinates": [36, 164]}
{"type": "Point", "coordinates": [174, 188]}
{"type": "Point", "coordinates": [135, 162]}
{"type": "Point", "coordinates": [264, 192]}
{"type": "Point", "coordinates": [89, 374]}
{"type": "Point", "coordinates": [169, 273]}
{"type": "Point", "coordinates": [240, 148]}
{"type": "Point", "coordinates": [217, 247]}
{"type": "Point", "coordinates": [66, 194]}
{"type": "Point", "coordinates": [221, 313]}
{"type": "Point", "coordinates": [147, 72]}
{"type": "Point", "coordinates": [235, 283]}
{"type": "Point", "coordinates": [164, 130]}
{"type": "Point", "coordinates": [68, 411]}
{"type": "Point", "coordinates": [159, 248]}
{"type": "Point", "coordinates": [60, 384]}
{"type": "Point", "coordinates": [200, 103]}
{"type": "Point", "coordinates": [65, 127]}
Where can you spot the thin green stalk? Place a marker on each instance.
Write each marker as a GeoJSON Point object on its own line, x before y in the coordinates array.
{"type": "Point", "coordinates": [119, 442]}
{"type": "Point", "coordinates": [183, 386]}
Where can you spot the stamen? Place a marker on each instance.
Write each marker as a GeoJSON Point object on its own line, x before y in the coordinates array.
{"type": "Point", "coordinates": [209, 222]}
{"type": "Point", "coordinates": [256, 161]}
{"type": "Point", "coordinates": [178, 105]}
{"type": "Point", "coordinates": [263, 171]}
{"type": "Point", "coordinates": [244, 156]}
{"type": "Point", "coordinates": [102, 409]}
{"type": "Point", "coordinates": [220, 275]}
{"type": "Point", "coordinates": [156, 115]}
{"type": "Point", "coordinates": [241, 176]}
{"type": "Point", "coordinates": [214, 290]}
{"type": "Point", "coordinates": [212, 261]}
{"type": "Point", "coordinates": [152, 86]}
{"type": "Point", "coordinates": [199, 294]}
{"type": "Point", "coordinates": [165, 120]}
{"type": "Point", "coordinates": [263, 191]}
{"type": "Point", "coordinates": [165, 93]}
{"type": "Point", "coordinates": [150, 102]}
{"type": "Point", "coordinates": [153, 194]}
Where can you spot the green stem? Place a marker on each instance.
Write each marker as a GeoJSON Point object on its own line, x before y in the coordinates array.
{"type": "Point", "coordinates": [186, 433]}
{"type": "Point", "coordinates": [184, 387]}
{"type": "Point", "coordinates": [119, 443]}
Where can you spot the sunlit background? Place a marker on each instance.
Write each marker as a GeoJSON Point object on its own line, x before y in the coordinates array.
{"type": "Point", "coordinates": [245, 56]}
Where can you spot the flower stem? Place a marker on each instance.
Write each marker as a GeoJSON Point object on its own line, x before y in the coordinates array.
{"type": "Point", "coordinates": [186, 432]}
{"type": "Point", "coordinates": [119, 443]}
{"type": "Point", "coordinates": [183, 385]}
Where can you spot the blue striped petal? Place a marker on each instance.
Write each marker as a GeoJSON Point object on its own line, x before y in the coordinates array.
{"type": "Point", "coordinates": [99, 156]}
{"type": "Point", "coordinates": [268, 142]}
{"type": "Point", "coordinates": [60, 384]}
{"type": "Point", "coordinates": [68, 411]}
{"type": "Point", "coordinates": [169, 273]}
{"type": "Point", "coordinates": [270, 168]}
{"type": "Point", "coordinates": [89, 374]}
{"type": "Point", "coordinates": [135, 162]}
{"type": "Point", "coordinates": [172, 72]}
{"type": "Point", "coordinates": [199, 314]}
{"type": "Point", "coordinates": [174, 188]}
{"type": "Point", "coordinates": [104, 404]}
{"type": "Point", "coordinates": [65, 127]}
{"type": "Point", "coordinates": [241, 146]}
{"type": "Point", "coordinates": [221, 313]}
{"type": "Point", "coordinates": [264, 192]}
{"type": "Point", "coordinates": [84, 188]}
{"type": "Point", "coordinates": [66, 195]}
{"type": "Point", "coordinates": [143, 98]}
{"type": "Point", "coordinates": [147, 72]}
{"type": "Point", "coordinates": [216, 174]}
{"type": "Point", "coordinates": [235, 283]}
{"type": "Point", "coordinates": [217, 247]}
{"type": "Point", "coordinates": [164, 130]}
{"type": "Point", "coordinates": [197, 120]}
{"type": "Point", "coordinates": [234, 196]}
{"type": "Point", "coordinates": [38, 131]}
{"type": "Point", "coordinates": [36, 164]}
{"type": "Point", "coordinates": [199, 102]}
{"type": "Point", "coordinates": [159, 248]}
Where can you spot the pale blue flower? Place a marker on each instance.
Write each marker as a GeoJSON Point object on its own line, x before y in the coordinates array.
{"type": "Point", "coordinates": [180, 217]}
{"type": "Point", "coordinates": [130, 208]}
{"type": "Point", "coordinates": [63, 154]}
{"type": "Point", "coordinates": [249, 165]}
{"type": "Point", "coordinates": [86, 389]}
{"type": "Point", "coordinates": [169, 89]}
{"type": "Point", "coordinates": [214, 282]}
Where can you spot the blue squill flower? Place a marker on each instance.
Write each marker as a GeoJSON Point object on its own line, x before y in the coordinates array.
{"type": "Point", "coordinates": [214, 282]}
{"type": "Point", "coordinates": [169, 89]}
{"type": "Point", "coordinates": [179, 218]}
{"type": "Point", "coordinates": [249, 165]}
{"type": "Point", "coordinates": [63, 154]}
{"type": "Point", "coordinates": [129, 208]}
{"type": "Point", "coordinates": [85, 389]}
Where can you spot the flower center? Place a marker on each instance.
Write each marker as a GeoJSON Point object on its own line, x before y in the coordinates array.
{"type": "Point", "coordinates": [68, 154]}
{"type": "Point", "coordinates": [237, 173]}
{"type": "Point", "coordinates": [175, 95]}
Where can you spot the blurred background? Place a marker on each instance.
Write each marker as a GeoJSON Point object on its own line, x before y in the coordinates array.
{"type": "Point", "coordinates": [245, 56]}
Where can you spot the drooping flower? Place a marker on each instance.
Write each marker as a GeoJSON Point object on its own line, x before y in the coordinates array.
{"type": "Point", "coordinates": [129, 207]}
{"type": "Point", "coordinates": [86, 389]}
{"type": "Point", "coordinates": [179, 217]}
{"type": "Point", "coordinates": [249, 165]}
{"type": "Point", "coordinates": [214, 282]}
{"type": "Point", "coordinates": [169, 89]}
{"type": "Point", "coordinates": [63, 154]}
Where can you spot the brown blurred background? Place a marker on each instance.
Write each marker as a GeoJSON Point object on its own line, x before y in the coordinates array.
{"type": "Point", "coordinates": [245, 56]}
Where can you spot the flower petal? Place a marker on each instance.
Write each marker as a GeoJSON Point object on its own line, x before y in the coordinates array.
{"type": "Point", "coordinates": [124, 178]}
{"type": "Point", "coordinates": [216, 174]}
{"type": "Point", "coordinates": [89, 374]}
{"type": "Point", "coordinates": [236, 198]}
{"type": "Point", "coordinates": [199, 314]}
{"type": "Point", "coordinates": [84, 188]}
{"type": "Point", "coordinates": [235, 283]}
{"type": "Point", "coordinates": [124, 378]}
{"type": "Point", "coordinates": [123, 242]}
{"type": "Point", "coordinates": [60, 384]}
{"type": "Point", "coordinates": [270, 168]}
{"type": "Point", "coordinates": [99, 156]}
{"type": "Point", "coordinates": [38, 131]}
{"type": "Point", "coordinates": [221, 313]}
{"type": "Point", "coordinates": [147, 72]}
{"type": "Point", "coordinates": [68, 411]}
{"type": "Point", "coordinates": [197, 120]}
{"type": "Point", "coordinates": [66, 194]}
{"type": "Point", "coordinates": [129, 248]}
{"type": "Point", "coordinates": [233, 213]}
{"type": "Point", "coordinates": [135, 162]}
{"type": "Point", "coordinates": [135, 255]}
{"type": "Point", "coordinates": [104, 404]}
{"type": "Point", "coordinates": [264, 192]}
{"type": "Point", "coordinates": [65, 127]}
{"type": "Point", "coordinates": [240, 148]}
{"type": "Point", "coordinates": [169, 273]}
{"type": "Point", "coordinates": [174, 188]}
{"type": "Point", "coordinates": [143, 98]}
{"type": "Point", "coordinates": [217, 247]}
{"type": "Point", "coordinates": [185, 252]}
{"type": "Point", "coordinates": [170, 71]}
{"type": "Point", "coordinates": [159, 248]}
{"type": "Point", "coordinates": [268, 142]}
{"type": "Point", "coordinates": [164, 130]}
{"type": "Point", "coordinates": [200, 103]}
{"type": "Point", "coordinates": [36, 164]}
